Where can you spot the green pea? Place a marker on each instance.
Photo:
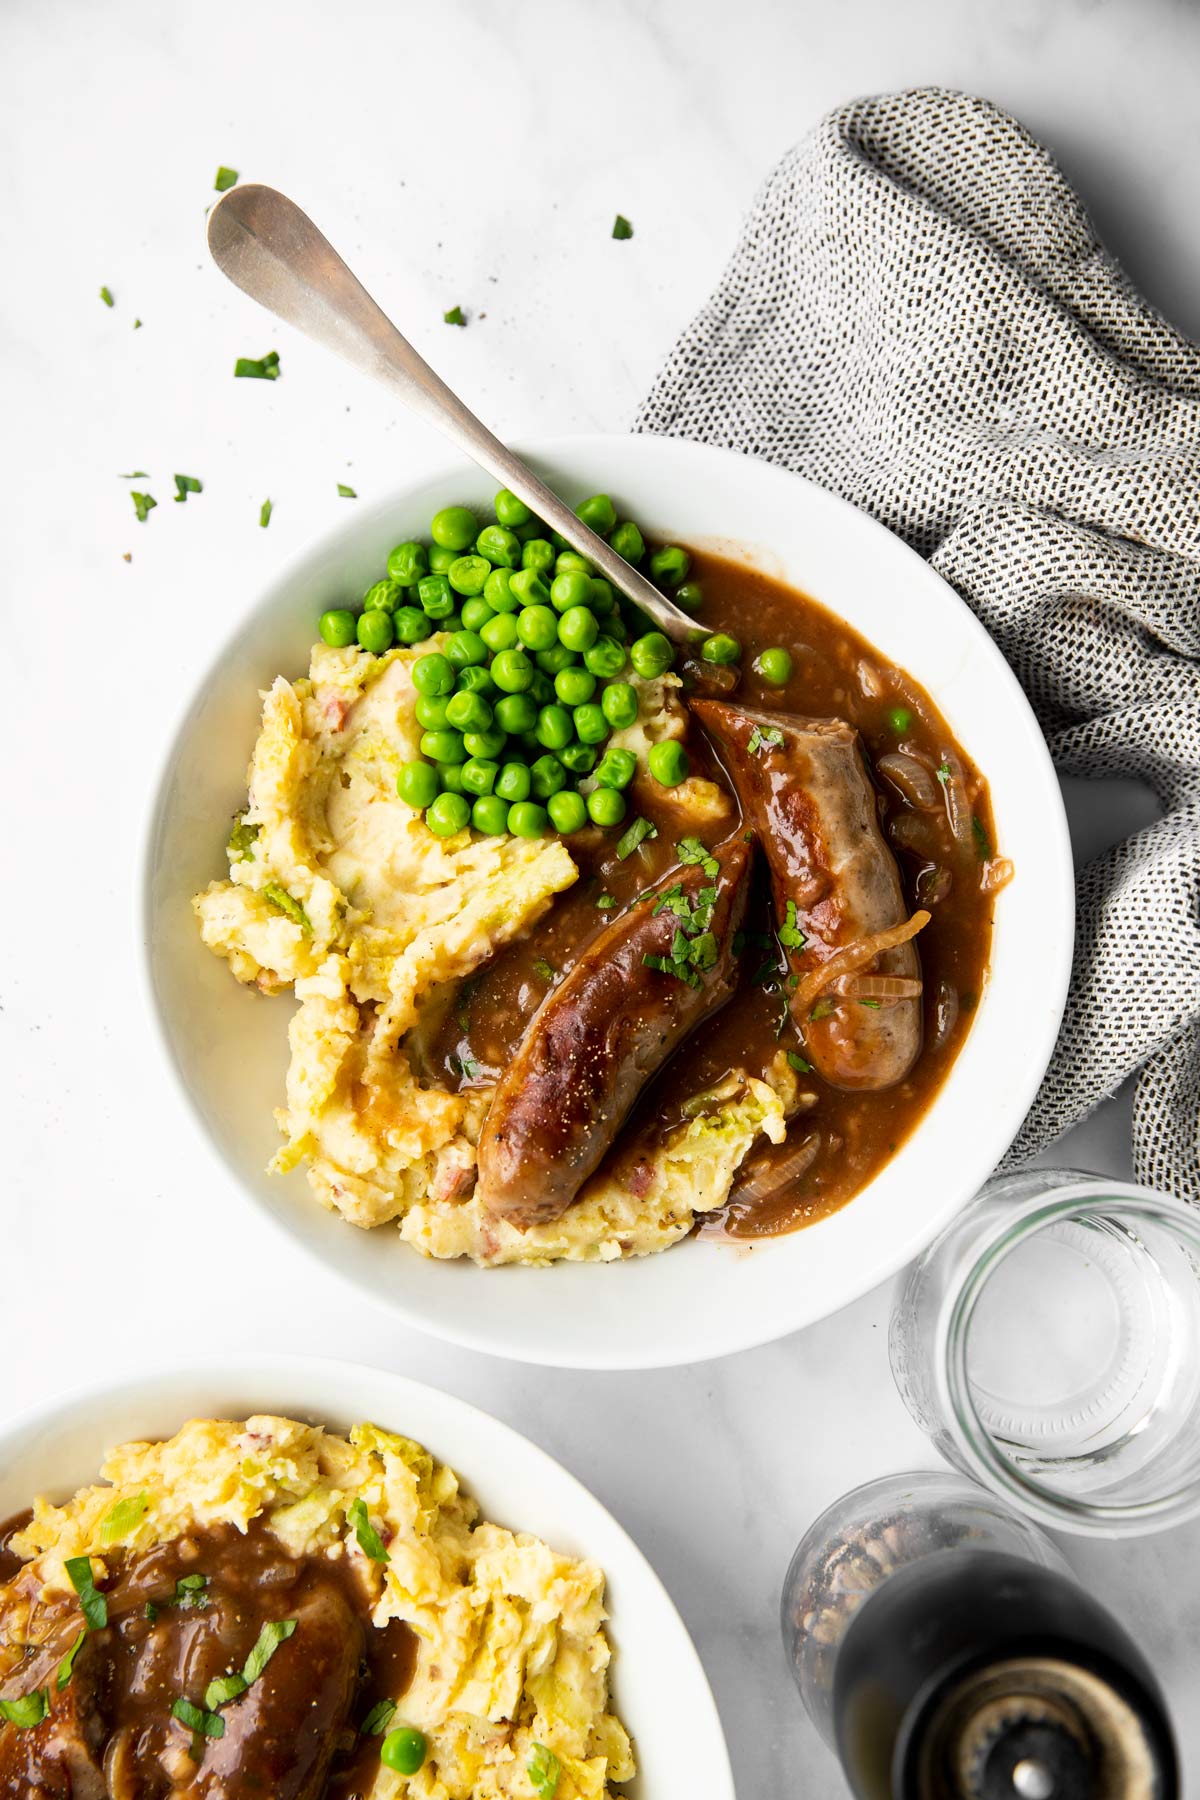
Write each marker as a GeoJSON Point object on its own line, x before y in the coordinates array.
{"type": "Point", "coordinates": [436, 596]}
{"type": "Point", "coordinates": [448, 814]}
{"type": "Point", "coordinates": [559, 541]}
{"type": "Point", "coordinates": [529, 588]}
{"type": "Point", "coordinates": [440, 560]}
{"type": "Point", "coordinates": [499, 632]}
{"type": "Point", "coordinates": [689, 595]}
{"type": "Point", "coordinates": [775, 666]}
{"type": "Point", "coordinates": [452, 622]}
{"type": "Point", "coordinates": [573, 686]}
{"type": "Point", "coordinates": [450, 777]}
{"type": "Point", "coordinates": [616, 627]}
{"type": "Point", "coordinates": [569, 562]}
{"type": "Point", "coordinates": [468, 712]}
{"type": "Point", "coordinates": [617, 768]}
{"type": "Point", "coordinates": [417, 784]}
{"type": "Point", "coordinates": [579, 758]}
{"type": "Point", "coordinates": [669, 565]}
{"type": "Point", "coordinates": [899, 718]}
{"type": "Point", "coordinates": [475, 614]}
{"type": "Point", "coordinates": [490, 815]}
{"type": "Point", "coordinates": [407, 563]}
{"type": "Point", "coordinates": [383, 596]}
{"type": "Point", "coordinates": [651, 655]}
{"type": "Point", "coordinates": [628, 542]}
{"type": "Point", "coordinates": [603, 599]}
{"type": "Point", "coordinates": [468, 575]}
{"type": "Point", "coordinates": [443, 746]}
{"type": "Point", "coordinates": [537, 555]}
{"type": "Point", "coordinates": [476, 679]}
{"type": "Point", "coordinates": [537, 627]}
{"type": "Point", "coordinates": [465, 647]}
{"type": "Point", "coordinates": [515, 712]}
{"type": "Point", "coordinates": [571, 588]}
{"type": "Point", "coordinates": [512, 671]}
{"type": "Point", "coordinates": [527, 820]}
{"type": "Point", "coordinates": [431, 711]}
{"type": "Point", "coordinates": [567, 811]}
{"type": "Point", "coordinates": [485, 744]}
{"type": "Point", "coordinates": [554, 728]}
{"type": "Point", "coordinates": [668, 762]}
{"type": "Point", "coordinates": [619, 704]}
{"type": "Point", "coordinates": [547, 776]}
{"type": "Point", "coordinates": [338, 627]}
{"type": "Point", "coordinates": [578, 628]}
{"type": "Point", "coordinates": [606, 806]}
{"type": "Point", "coordinates": [479, 775]}
{"type": "Point", "coordinates": [454, 528]}
{"type": "Point", "coordinates": [375, 631]}
{"type": "Point", "coordinates": [530, 529]}
{"type": "Point", "coordinates": [500, 547]}
{"type": "Point", "coordinates": [509, 510]}
{"type": "Point", "coordinates": [721, 648]}
{"type": "Point", "coordinates": [598, 512]}
{"type": "Point", "coordinates": [497, 591]}
{"type": "Point", "coordinates": [556, 658]}
{"type": "Point", "coordinates": [412, 625]}
{"type": "Point", "coordinates": [591, 726]}
{"type": "Point", "coordinates": [605, 657]}
{"type": "Point", "coordinates": [513, 782]}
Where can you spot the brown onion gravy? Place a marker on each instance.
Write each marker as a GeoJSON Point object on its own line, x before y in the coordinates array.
{"type": "Point", "coordinates": [836, 674]}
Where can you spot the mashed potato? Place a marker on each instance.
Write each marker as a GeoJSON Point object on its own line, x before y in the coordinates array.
{"type": "Point", "coordinates": [339, 891]}
{"type": "Point", "coordinates": [512, 1652]}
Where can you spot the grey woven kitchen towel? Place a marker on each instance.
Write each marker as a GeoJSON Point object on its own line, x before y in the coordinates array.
{"type": "Point", "coordinates": [919, 316]}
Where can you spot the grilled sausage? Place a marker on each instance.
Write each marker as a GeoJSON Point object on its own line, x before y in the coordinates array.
{"type": "Point", "coordinates": [804, 788]}
{"type": "Point", "coordinates": [596, 1040]}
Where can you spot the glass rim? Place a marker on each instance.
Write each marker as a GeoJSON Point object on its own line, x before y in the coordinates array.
{"type": "Point", "coordinates": [973, 1440]}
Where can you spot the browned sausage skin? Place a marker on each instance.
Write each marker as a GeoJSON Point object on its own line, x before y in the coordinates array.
{"type": "Point", "coordinates": [598, 1037]}
{"type": "Point", "coordinates": [804, 787]}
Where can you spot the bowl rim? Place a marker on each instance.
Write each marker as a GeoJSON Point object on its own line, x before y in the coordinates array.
{"type": "Point", "coordinates": [1058, 913]}
{"type": "Point", "coordinates": [21, 1431]}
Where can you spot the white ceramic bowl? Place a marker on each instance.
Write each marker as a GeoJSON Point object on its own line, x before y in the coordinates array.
{"type": "Point", "coordinates": [659, 1688]}
{"type": "Point", "coordinates": [698, 1299]}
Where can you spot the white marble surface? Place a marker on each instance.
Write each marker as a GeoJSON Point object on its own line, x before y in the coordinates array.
{"type": "Point", "coordinates": [458, 153]}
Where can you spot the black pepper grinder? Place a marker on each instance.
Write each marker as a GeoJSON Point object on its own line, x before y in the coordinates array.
{"type": "Point", "coordinates": [946, 1653]}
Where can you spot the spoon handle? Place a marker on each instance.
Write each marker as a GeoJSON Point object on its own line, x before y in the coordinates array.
{"type": "Point", "coordinates": [274, 253]}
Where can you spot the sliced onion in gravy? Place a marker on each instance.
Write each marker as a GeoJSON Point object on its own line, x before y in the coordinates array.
{"type": "Point", "coordinates": [912, 779]}
{"type": "Point", "coordinates": [945, 1013]}
{"type": "Point", "coordinates": [877, 987]}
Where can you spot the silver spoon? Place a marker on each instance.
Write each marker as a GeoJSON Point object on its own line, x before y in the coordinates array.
{"type": "Point", "coordinates": [274, 253]}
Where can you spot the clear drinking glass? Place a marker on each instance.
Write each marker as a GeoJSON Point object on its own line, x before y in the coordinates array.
{"type": "Point", "coordinates": [1049, 1344]}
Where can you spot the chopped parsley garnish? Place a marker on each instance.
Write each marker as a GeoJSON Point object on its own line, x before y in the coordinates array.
{"type": "Point", "coordinates": [983, 845]}
{"type": "Point", "coordinates": [790, 934]}
{"type": "Point", "coordinates": [187, 484]}
{"type": "Point", "coordinates": [369, 1540]}
{"type": "Point", "coordinates": [224, 1688]}
{"type": "Point", "coordinates": [189, 1591]}
{"type": "Point", "coordinates": [543, 1769]}
{"type": "Point", "coordinates": [797, 1062]}
{"type": "Point", "coordinates": [875, 1004]}
{"type": "Point", "coordinates": [27, 1712]}
{"type": "Point", "coordinates": [259, 368]}
{"type": "Point", "coordinates": [943, 772]}
{"type": "Point", "coordinates": [690, 850]}
{"type": "Point", "coordinates": [764, 740]}
{"type": "Point", "coordinates": [468, 1067]}
{"type": "Point", "coordinates": [143, 504]}
{"type": "Point", "coordinates": [621, 227]}
{"type": "Point", "coordinates": [347, 493]}
{"type": "Point", "coordinates": [282, 901]}
{"type": "Point", "coordinates": [150, 1611]}
{"type": "Point", "coordinates": [694, 946]}
{"type": "Point", "coordinates": [264, 514]}
{"type": "Point", "coordinates": [667, 966]}
{"type": "Point", "coordinates": [635, 834]}
{"type": "Point", "coordinates": [122, 1517]}
{"type": "Point", "coordinates": [241, 840]}
{"type": "Point", "coordinates": [545, 970]}
{"type": "Point", "coordinates": [92, 1602]}
{"type": "Point", "coordinates": [226, 178]}
{"type": "Point", "coordinates": [822, 1010]}
{"type": "Point", "coordinates": [605, 902]}
{"type": "Point", "coordinates": [454, 317]}
{"type": "Point", "coordinates": [766, 973]}
{"type": "Point", "coordinates": [136, 475]}
{"type": "Point", "coordinates": [106, 296]}
{"type": "Point", "coordinates": [378, 1719]}
{"type": "Point", "coordinates": [67, 1664]}
{"type": "Point", "coordinates": [137, 324]}
{"type": "Point", "coordinates": [201, 1724]}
